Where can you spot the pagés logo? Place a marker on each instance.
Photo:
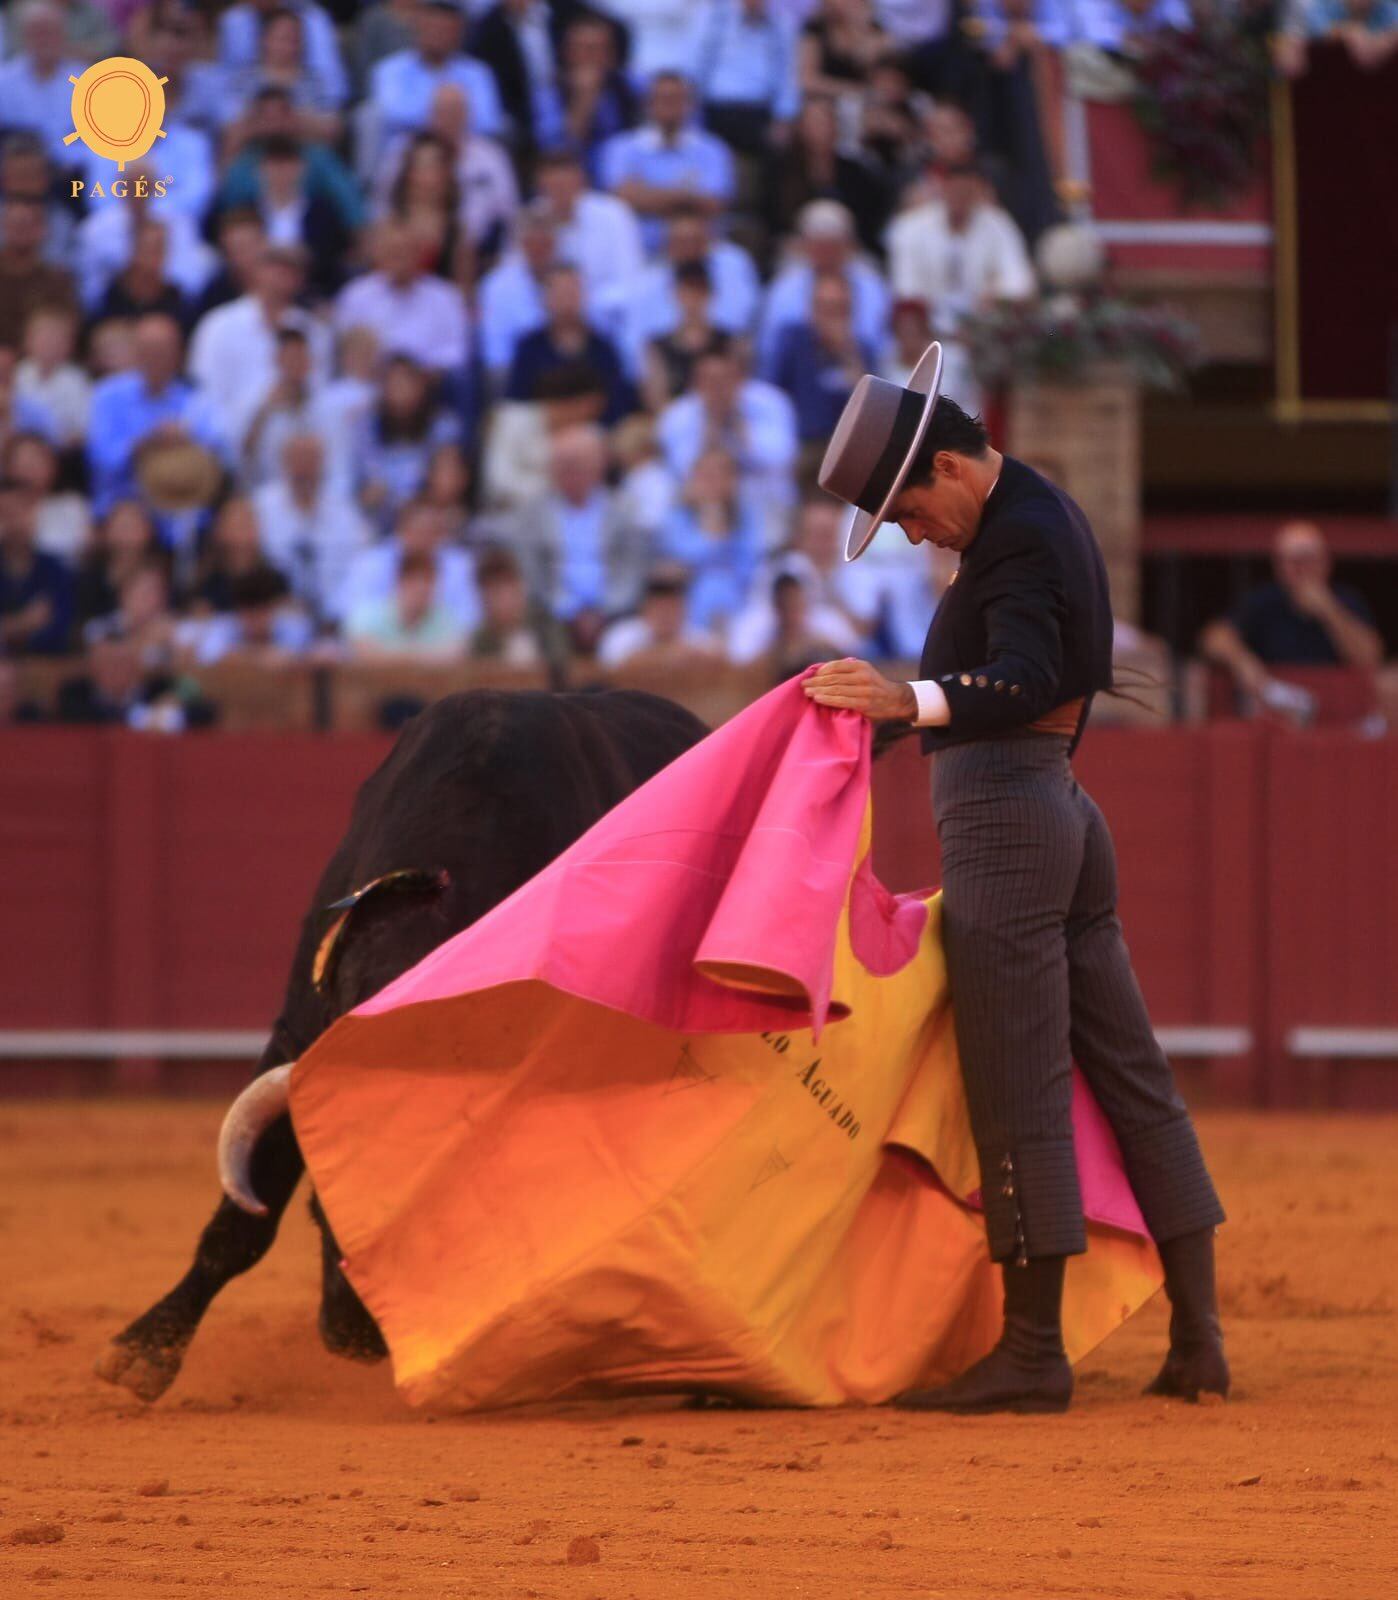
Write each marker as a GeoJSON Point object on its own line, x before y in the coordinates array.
{"type": "Point", "coordinates": [118, 106]}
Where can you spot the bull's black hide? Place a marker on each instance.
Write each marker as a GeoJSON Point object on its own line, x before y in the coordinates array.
{"type": "Point", "coordinates": [479, 793]}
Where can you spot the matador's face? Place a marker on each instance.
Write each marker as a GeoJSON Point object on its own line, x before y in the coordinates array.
{"type": "Point", "coordinates": [944, 510]}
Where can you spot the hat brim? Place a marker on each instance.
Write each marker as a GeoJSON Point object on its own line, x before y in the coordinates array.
{"type": "Point", "coordinates": [925, 379]}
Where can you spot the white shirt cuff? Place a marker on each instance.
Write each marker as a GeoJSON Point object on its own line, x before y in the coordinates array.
{"type": "Point", "coordinates": [932, 708]}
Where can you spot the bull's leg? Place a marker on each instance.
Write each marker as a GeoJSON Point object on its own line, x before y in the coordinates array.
{"type": "Point", "coordinates": [346, 1328]}
{"type": "Point", "coordinates": [146, 1357]}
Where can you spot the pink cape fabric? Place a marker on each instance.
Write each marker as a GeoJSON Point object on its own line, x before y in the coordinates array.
{"type": "Point", "coordinates": [709, 901]}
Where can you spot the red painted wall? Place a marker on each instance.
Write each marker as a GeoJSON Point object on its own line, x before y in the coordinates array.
{"type": "Point", "coordinates": [159, 883]}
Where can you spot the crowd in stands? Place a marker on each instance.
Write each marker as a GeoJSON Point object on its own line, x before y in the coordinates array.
{"type": "Point", "coordinates": [433, 329]}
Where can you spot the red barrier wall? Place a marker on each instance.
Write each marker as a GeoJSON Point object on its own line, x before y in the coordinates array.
{"type": "Point", "coordinates": [159, 883]}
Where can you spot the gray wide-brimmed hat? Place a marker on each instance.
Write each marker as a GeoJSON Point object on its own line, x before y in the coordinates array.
{"type": "Point", "coordinates": [874, 443]}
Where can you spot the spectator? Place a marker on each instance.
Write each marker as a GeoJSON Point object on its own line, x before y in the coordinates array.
{"type": "Point", "coordinates": [402, 85]}
{"type": "Point", "coordinates": [518, 40]}
{"type": "Point", "coordinates": [116, 689]}
{"type": "Point", "coordinates": [447, 487]}
{"type": "Point", "coordinates": [16, 707]}
{"type": "Point", "coordinates": [298, 215]}
{"type": "Point", "coordinates": [840, 46]}
{"type": "Point", "coordinates": [141, 286]}
{"type": "Point", "coordinates": [291, 406]}
{"type": "Point", "coordinates": [426, 200]}
{"type": "Point", "coordinates": [715, 535]}
{"type": "Point", "coordinates": [175, 45]}
{"type": "Point", "coordinates": [421, 529]}
{"type": "Point", "coordinates": [510, 299]}
{"type": "Point", "coordinates": [751, 421]}
{"type": "Point", "coordinates": [1368, 29]}
{"type": "Point", "coordinates": [283, 63]}
{"type": "Point", "coordinates": [48, 382]}
{"type": "Point", "coordinates": [142, 614]}
{"type": "Point", "coordinates": [667, 163]}
{"type": "Point", "coordinates": [124, 540]}
{"type": "Point", "coordinates": [411, 312]}
{"type": "Point", "coordinates": [645, 488]}
{"type": "Point", "coordinates": [580, 558]}
{"type": "Point", "coordinates": [263, 625]}
{"type": "Point", "coordinates": [488, 194]}
{"type": "Point", "coordinates": [311, 528]}
{"type": "Point", "coordinates": [35, 93]}
{"type": "Point", "coordinates": [233, 354]}
{"type": "Point", "coordinates": [149, 406]}
{"type": "Point", "coordinates": [412, 625]}
{"type": "Point", "coordinates": [403, 430]}
{"type": "Point", "coordinates": [62, 523]}
{"type": "Point", "coordinates": [787, 628]}
{"type": "Point", "coordinates": [747, 74]}
{"type": "Point", "coordinates": [826, 246]}
{"type": "Point", "coordinates": [889, 122]}
{"type": "Point", "coordinates": [960, 251]}
{"type": "Point", "coordinates": [835, 585]}
{"type": "Point", "coordinates": [111, 348]}
{"type": "Point", "coordinates": [598, 100]}
{"type": "Point", "coordinates": [20, 413]}
{"type": "Point", "coordinates": [27, 281]}
{"type": "Point", "coordinates": [597, 232]}
{"type": "Point", "coordinates": [1300, 619]}
{"type": "Point", "coordinates": [107, 239]}
{"type": "Point", "coordinates": [272, 115]}
{"type": "Point", "coordinates": [232, 551]}
{"type": "Point", "coordinates": [734, 290]}
{"type": "Point", "coordinates": [671, 358]}
{"type": "Point", "coordinates": [661, 35]}
{"type": "Point", "coordinates": [566, 339]}
{"type": "Point", "coordinates": [819, 362]}
{"type": "Point", "coordinates": [241, 242]}
{"type": "Point", "coordinates": [659, 633]}
{"type": "Point", "coordinates": [346, 403]}
{"type": "Point", "coordinates": [242, 44]}
{"type": "Point", "coordinates": [515, 630]}
{"type": "Point", "coordinates": [813, 167]}
{"type": "Point", "coordinates": [36, 590]}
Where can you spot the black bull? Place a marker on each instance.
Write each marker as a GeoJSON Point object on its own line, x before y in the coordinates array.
{"type": "Point", "coordinates": [478, 794]}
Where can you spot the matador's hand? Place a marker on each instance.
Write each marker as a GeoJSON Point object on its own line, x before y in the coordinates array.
{"type": "Point", "coordinates": [851, 685]}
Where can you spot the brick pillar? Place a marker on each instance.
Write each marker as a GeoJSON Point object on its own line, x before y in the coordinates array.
{"type": "Point", "coordinates": [1087, 437]}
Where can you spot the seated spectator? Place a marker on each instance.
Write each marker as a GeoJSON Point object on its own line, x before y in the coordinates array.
{"type": "Point", "coordinates": [598, 100]}
{"type": "Point", "coordinates": [671, 357]}
{"type": "Point", "coordinates": [787, 629]}
{"type": "Point", "coordinates": [346, 403]}
{"type": "Point", "coordinates": [579, 558]}
{"type": "Point", "coordinates": [291, 406]}
{"type": "Point", "coordinates": [750, 420]}
{"type": "Point", "coordinates": [380, 28]}
{"type": "Point", "coordinates": [566, 339]}
{"type": "Point", "coordinates": [812, 166]}
{"type": "Point", "coordinates": [818, 362]}
{"type": "Point", "coordinates": [27, 280]}
{"type": "Point", "coordinates": [486, 188]}
{"type": "Point", "coordinates": [518, 41]}
{"type": "Point", "coordinates": [426, 199]}
{"type": "Point", "coordinates": [241, 241]}
{"type": "Point", "coordinates": [111, 348]}
{"type": "Point", "coordinates": [171, 37]}
{"type": "Point", "coordinates": [49, 380]}
{"type": "Point", "coordinates": [272, 115]}
{"type": "Point", "coordinates": [411, 625]}
{"type": "Point", "coordinates": [667, 162]}
{"type": "Point", "coordinates": [232, 550]}
{"type": "Point", "coordinates": [282, 64]}
{"type": "Point", "coordinates": [645, 487]}
{"type": "Point", "coordinates": [421, 529]}
{"type": "Point", "coordinates": [402, 85]}
{"type": "Point", "coordinates": [142, 616]}
{"type": "Point", "coordinates": [400, 435]}
{"type": "Point", "coordinates": [36, 590]}
{"type": "Point", "coordinates": [747, 75]}
{"type": "Point", "coordinates": [296, 215]}
{"type": "Point", "coordinates": [150, 405]}
{"type": "Point", "coordinates": [141, 286]}
{"type": "Point", "coordinates": [960, 251]}
{"type": "Point", "coordinates": [889, 119]}
{"type": "Point", "coordinates": [659, 633]}
{"type": "Point", "coordinates": [1300, 619]}
{"type": "Point", "coordinates": [263, 624]}
{"type": "Point", "coordinates": [447, 486]}
{"type": "Point", "coordinates": [1368, 29]}
{"type": "Point", "coordinates": [16, 707]}
{"type": "Point", "coordinates": [410, 311]}
{"type": "Point", "coordinates": [117, 689]}
{"type": "Point", "coordinates": [734, 290]}
{"type": "Point", "coordinates": [288, 42]}
{"type": "Point", "coordinates": [597, 232]}
{"type": "Point", "coordinates": [35, 93]}
{"type": "Point", "coordinates": [106, 240]}
{"type": "Point", "coordinates": [946, 142]}
{"type": "Point", "coordinates": [713, 533]}
{"type": "Point", "coordinates": [514, 630]}
{"type": "Point", "coordinates": [825, 247]}
{"type": "Point", "coordinates": [840, 46]}
{"type": "Point", "coordinates": [510, 298]}
{"type": "Point", "coordinates": [122, 542]}
{"type": "Point", "coordinates": [20, 413]}
{"type": "Point", "coordinates": [62, 522]}
{"type": "Point", "coordinates": [311, 528]}
{"type": "Point", "coordinates": [233, 352]}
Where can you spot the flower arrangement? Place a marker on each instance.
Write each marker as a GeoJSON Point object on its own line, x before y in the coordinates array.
{"type": "Point", "coordinates": [1201, 98]}
{"type": "Point", "coordinates": [1062, 338]}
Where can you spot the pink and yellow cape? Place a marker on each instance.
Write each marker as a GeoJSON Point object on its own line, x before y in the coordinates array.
{"type": "Point", "coordinates": [686, 1112]}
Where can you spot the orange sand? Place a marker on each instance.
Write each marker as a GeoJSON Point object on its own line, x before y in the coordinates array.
{"type": "Point", "coordinates": [273, 1469]}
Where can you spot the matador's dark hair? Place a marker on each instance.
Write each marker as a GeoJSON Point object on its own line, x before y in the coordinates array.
{"type": "Point", "coordinates": [951, 428]}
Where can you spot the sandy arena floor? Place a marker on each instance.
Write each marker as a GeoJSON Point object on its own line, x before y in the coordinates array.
{"type": "Point", "coordinates": [272, 1469]}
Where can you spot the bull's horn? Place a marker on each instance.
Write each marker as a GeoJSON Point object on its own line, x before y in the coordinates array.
{"type": "Point", "coordinates": [255, 1110]}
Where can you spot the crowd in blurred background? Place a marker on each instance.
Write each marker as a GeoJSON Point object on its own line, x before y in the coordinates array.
{"type": "Point", "coordinates": [512, 330]}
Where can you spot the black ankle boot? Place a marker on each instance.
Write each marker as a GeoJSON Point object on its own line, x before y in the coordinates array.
{"type": "Point", "coordinates": [1196, 1363]}
{"type": "Point", "coordinates": [1028, 1369]}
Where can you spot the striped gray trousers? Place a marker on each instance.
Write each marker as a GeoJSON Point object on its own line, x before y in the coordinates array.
{"type": "Point", "coordinates": [1040, 977]}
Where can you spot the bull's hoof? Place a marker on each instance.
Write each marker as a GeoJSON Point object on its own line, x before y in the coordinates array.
{"type": "Point", "coordinates": [145, 1370]}
{"type": "Point", "coordinates": [353, 1335]}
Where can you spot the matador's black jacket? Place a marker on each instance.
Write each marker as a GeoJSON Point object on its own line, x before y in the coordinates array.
{"type": "Point", "coordinates": [1027, 623]}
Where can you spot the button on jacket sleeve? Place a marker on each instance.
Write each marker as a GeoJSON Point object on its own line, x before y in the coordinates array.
{"type": "Point", "coordinates": [1022, 601]}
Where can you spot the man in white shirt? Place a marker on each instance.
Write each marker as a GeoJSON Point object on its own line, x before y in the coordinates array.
{"type": "Point", "coordinates": [597, 232]}
{"type": "Point", "coordinates": [421, 529]}
{"type": "Point", "coordinates": [233, 353]}
{"type": "Point", "coordinates": [311, 528]}
{"type": "Point", "coordinates": [35, 93]}
{"type": "Point", "coordinates": [402, 84]}
{"type": "Point", "coordinates": [734, 288]}
{"type": "Point", "coordinates": [411, 312]}
{"type": "Point", "coordinates": [827, 247]}
{"type": "Point", "coordinates": [959, 251]}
